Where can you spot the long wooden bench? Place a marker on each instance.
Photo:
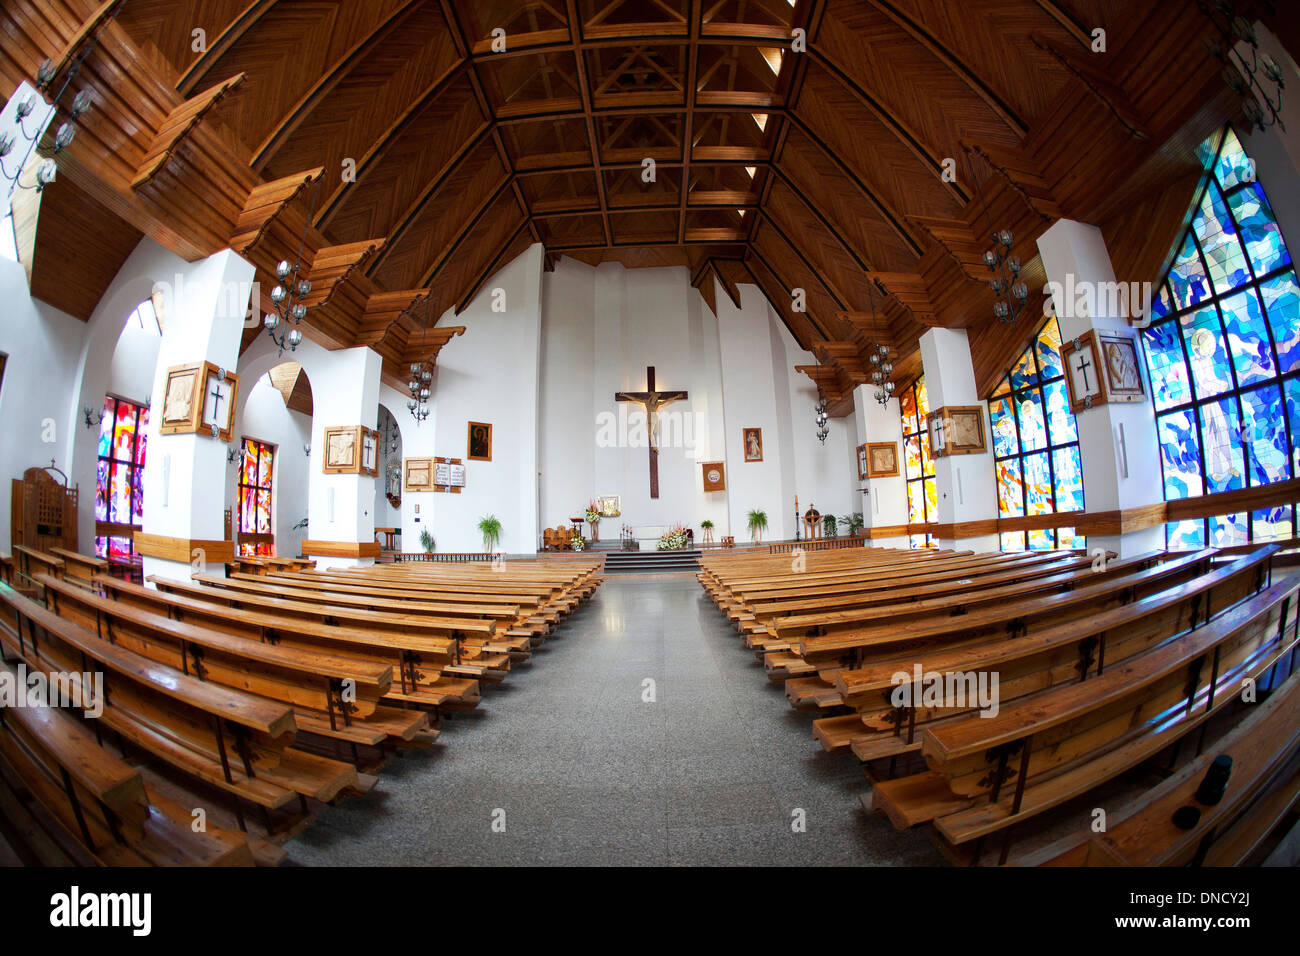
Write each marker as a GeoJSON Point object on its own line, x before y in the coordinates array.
{"type": "Point", "coordinates": [227, 738]}
{"type": "Point", "coordinates": [99, 800]}
{"type": "Point", "coordinates": [989, 774]}
{"type": "Point", "coordinates": [333, 695]}
{"type": "Point", "coordinates": [81, 568]}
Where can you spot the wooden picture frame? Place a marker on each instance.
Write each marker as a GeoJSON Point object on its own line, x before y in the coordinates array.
{"type": "Point", "coordinates": [1083, 371]}
{"type": "Point", "coordinates": [1122, 366]}
{"type": "Point", "coordinates": [751, 444]}
{"type": "Point", "coordinates": [199, 399]}
{"type": "Point", "coordinates": [715, 475]}
{"type": "Point", "coordinates": [958, 430]}
{"type": "Point", "coordinates": [417, 475]}
{"type": "Point", "coordinates": [862, 462]}
{"type": "Point", "coordinates": [369, 452]}
{"type": "Point", "coordinates": [882, 459]}
{"type": "Point", "coordinates": [351, 450]}
{"type": "Point", "coordinates": [478, 441]}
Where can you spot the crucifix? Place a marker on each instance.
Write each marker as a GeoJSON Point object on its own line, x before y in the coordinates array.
{"type": "Point", "coordinates": [652, 400]}
{"type": "Point", "coordinates": [1083, 366]}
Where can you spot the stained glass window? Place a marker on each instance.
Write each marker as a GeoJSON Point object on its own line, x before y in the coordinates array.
{"type": "Point", "coordinates": [922, 490]}
{"type": "Point", "coordinates": [119, 480]}
{"type": "Point", "coordinates": [1224, 355]}
{"type": "Point", "coordinates": [253, 499]}
{"type": "Point", "coordinates": [1036, 445]}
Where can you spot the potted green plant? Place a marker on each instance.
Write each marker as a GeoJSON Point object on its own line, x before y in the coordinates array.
{"type": "Point", "coordinates": [853, 524]}
{"type": "Point", "coordinates": [426, 541]}
{"type": "Point", "coordinates": [490, 527]}
{"type": "Point", "coordinates": [757, 525]}
{"type": "Point", "coordinates": [830, 526]}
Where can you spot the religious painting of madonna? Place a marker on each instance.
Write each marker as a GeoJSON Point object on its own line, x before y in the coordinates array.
{"type": "Point", "coordinates": [480, 442]}
{"type": "Point", "coordinates": [753, 444]}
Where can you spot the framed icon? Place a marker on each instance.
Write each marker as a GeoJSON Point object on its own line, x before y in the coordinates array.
{"type": "Point", "coordinates": [1122, 366]}
{"type": "Point", "coordinates": [1083, 372]}
{"type": "Point", "coordinates": [882, 459]}
{"type": "Point", "coordinates": [479, 442]}
{"type": "Point", "coordinates": [753, 444]}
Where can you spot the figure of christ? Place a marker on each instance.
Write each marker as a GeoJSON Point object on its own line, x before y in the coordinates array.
{"type": "Point", "coordinates": [652, 400]}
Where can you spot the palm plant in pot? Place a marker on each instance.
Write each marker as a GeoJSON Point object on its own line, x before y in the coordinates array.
{"type": "Point", "coordinates": [757, 521]}
{"type": "Point", "coordinates": [490, 527]}
{"type": "Point", "coordinates": [426, 541]}
{"type": "Point", "coordinates": [853, 524]}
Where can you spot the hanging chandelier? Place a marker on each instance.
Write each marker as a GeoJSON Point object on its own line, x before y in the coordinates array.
{"type": "Point", "coordinates": [287, 306]}
{"type": "Point", "coordinates": [1006, 283]}
{"type": "Point", "coordinates": [881, 367]}
{"type": "Point", "coordinates": [822, 427]}
{"type": "Point", "coordinates": [1241, 76]}
{"type": "Point", "coordinates": [419, 387]}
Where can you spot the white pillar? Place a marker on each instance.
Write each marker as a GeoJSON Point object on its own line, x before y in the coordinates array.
{"type": "Point", "coordinates": [185, 475]}
{"type": "Point", "coordinates": [341, 508]}
{"type": "Point", "coordinates": [967, 484]}
{"type": "Point", "coordinates": [884, 500]}
{"type": "Point", "coordinates": [1117, 442]}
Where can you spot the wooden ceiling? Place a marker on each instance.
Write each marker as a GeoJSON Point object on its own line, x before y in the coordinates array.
{"type": "Point", "coordinates": [819, 170]}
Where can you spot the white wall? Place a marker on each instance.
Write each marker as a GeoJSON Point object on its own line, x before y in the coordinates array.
{"type": "Point", "coordinates": [134, 359]}
{"type": "Point", "coordinates": [489, 374]}
{"type": "Point", "coordinates": [43, 346]}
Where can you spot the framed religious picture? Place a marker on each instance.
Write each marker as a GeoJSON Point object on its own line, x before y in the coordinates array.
{"type": "Point", "coordinates": [862, 462]}
{"type": "Point", "coordinates": [753, 444]}
{"type": "Point", "coordinates": [961, 428]}
{"type": "Point", "coordinates": [342, 456]}
{"type": "Point", "coordinates": [1121, 367]}
{"type": "Point", "coordinates": [369, 452]}
{"type": "Point", "coordinates": [715, 475]}
{"type": "Point", "coordinates": [220, 392]}
{"type": "Point", "coordinates": [180, 400]}
{"type": "Point", "coordinates": [418, 475]}
{"type": "Point", "coordinates": [882, 459]}
{"type": "Point", "coordinates": [1083, 373]}
{"type": "Point", "coordinates": [610, 506]}
{"type": "Point", "coordinates": [479, 442]}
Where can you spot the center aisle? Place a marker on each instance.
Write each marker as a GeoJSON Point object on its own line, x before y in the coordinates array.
{"type": "Point", "coordinates": [589, 773]}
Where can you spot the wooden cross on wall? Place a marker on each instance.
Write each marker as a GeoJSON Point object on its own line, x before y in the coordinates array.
{"type": "Point", "coordinates": [652, 400]}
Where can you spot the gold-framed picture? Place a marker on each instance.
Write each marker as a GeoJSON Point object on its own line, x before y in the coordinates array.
{"type": "Point", "coordinates": [199, 398]}
{"type": "Point", "coordinates": [881, 459]}
{"type": "Point", "coordinates": [417, 474]}
{"type": "Point", "coordinates": [478, 442]}
{"type": "Point", "coordinates": [957, 430]}
{"type": "Point", "coordinates": [752, 443]}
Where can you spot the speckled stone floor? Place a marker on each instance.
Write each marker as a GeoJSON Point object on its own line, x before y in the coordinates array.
{"type": "Point", "coordinates": [583, 771]}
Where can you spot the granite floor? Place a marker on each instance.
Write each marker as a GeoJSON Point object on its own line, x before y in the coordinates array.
{"type": "Point", "coordinates": [582, 771]}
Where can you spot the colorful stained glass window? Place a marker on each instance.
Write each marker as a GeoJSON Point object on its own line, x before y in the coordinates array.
{"type": "Point", "coordinates": [918, 465]}
{"type": "Point", "coordinates": [1036, 444]}
{"type": "Point", "coordinates": [1223, 351]}
{"type": "Point", "coordinates": [253, 499]}
{"type": "Point", "coordinates": [119, 478]}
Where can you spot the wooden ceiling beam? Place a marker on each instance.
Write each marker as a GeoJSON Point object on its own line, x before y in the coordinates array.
{"type": "Point", "coordinates": [584, 90]}
{"type": "Point", "coordinates": [450, 248]}
{"type": "Point", "coordinates": [327, 83]}
{"type": "Point", "coordinates": [189, 80]}
{"type": "Point", "coordinates": [695, 18]}
{"type": "Point", "coordinates": [494, 263]}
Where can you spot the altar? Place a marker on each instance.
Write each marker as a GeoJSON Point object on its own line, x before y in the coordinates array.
{"type": "Point", "coordinates": [647, 536]}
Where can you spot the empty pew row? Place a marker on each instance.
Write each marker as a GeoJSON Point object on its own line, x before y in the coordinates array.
{"type": "Point", "coordinates": [309, 666]}
{"type": "Point", "coordinates": [1159, 643]}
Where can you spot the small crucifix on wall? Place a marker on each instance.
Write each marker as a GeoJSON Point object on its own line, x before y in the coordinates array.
{"type": "Point", "coordinates": [652, 400]}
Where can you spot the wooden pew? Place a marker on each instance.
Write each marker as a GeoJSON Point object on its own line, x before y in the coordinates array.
{"type": "Point", "coordinates": [991, 774]}
{"type": "Point", "coordinates": [1262, 790]}
{"type": "Point", "coordinates": [101, 802]}
{"type": "Point", "coordinates": [332, 695]}
{"type": "Point", "coordinates": [28, 562]}
{"type": "Point", "coordinates": [227, 738]}
{"type": "Point", "coordinates": [81, 568]}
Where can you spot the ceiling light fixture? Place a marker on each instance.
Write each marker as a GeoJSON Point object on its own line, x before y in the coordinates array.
{"type": "Point", "coordinates": [287, 306]}
{"type": "Point", "coordinates": [1242, 76]}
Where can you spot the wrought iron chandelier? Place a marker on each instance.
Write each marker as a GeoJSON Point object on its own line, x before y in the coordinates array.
{"type": "Point", "coordinates": [287, 306]}
{"type": "Point", "coordinates": [881, 367]}
{"type": "Point", "coordinates": [823, 428]}
{"type": "Point", "coordinates": [419, 387]}
{"type": "Point", "coordinates": [1242, 76]}
{"type": "Point", "coordinates": [1006, 283]}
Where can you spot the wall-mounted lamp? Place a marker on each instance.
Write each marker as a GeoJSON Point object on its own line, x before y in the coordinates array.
{"type": "Point", "coordinates": [91, 420]}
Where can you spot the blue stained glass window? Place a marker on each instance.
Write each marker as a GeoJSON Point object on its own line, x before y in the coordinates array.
{"type": "Point", "coordinates": [1224, 354]}
{"type": "Point", "coordinates": [1036, 444]}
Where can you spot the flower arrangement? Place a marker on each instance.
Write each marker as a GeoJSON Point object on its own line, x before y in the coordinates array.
{"type": "Point", "coordinates": [593, 512]}
{"type": "Point", "coordinates": [674, 539]}
{"type": "Point", "coordinates": [579, 542]}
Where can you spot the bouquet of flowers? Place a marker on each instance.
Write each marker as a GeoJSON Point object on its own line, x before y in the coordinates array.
{"type": "Point", "coordinates": [593, 512]}
{"type": "Point", "coordinates": [674, 539]}
{"type": "Point", "coordinates": [579, 542]}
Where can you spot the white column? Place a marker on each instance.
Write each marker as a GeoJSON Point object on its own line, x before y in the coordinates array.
{"type": "Point", "coordinates": [185, 475]}
{"type": "Point", "coordinates": [967, 484]}
{"type": "Point", "coordinates": [1121, 456]}
{"type": "Point", "coordinates": [345, 391]}
{"type": "Point", "coordinates": [884, 500]}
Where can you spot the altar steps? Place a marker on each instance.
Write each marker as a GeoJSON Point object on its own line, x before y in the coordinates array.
{"type": "Point", "coordinates": [652, 562]}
